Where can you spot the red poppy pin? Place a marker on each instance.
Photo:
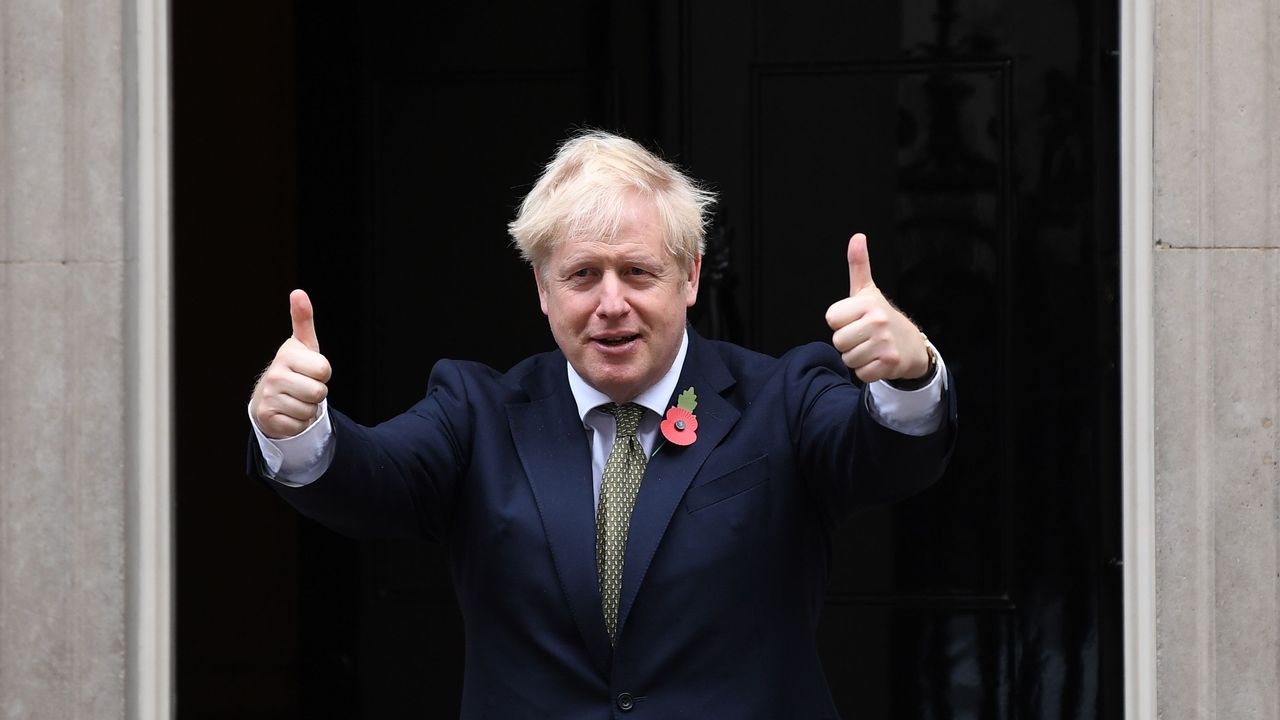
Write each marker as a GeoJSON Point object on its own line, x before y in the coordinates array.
{"type": "Point", "coordinates": [681, 425]}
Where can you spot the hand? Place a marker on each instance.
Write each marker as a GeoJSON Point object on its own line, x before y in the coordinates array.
{"type": "Point", "coordinates": [875, 339]}
{"type": "Point", "coordinates": [288, 395]}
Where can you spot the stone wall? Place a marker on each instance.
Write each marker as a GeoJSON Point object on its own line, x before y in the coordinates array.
{"type": "Point", "coordinates": [1217, 358]}
{"type": "Point", "coordinates": [62, 367]}
{"type": "Point", "coordinates": [63, 343]}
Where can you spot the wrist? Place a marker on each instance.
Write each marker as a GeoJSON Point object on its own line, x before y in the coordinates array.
{"type": "Point", "coordinates": [931, 370]}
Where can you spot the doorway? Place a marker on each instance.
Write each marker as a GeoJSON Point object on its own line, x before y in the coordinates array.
{"type": "Point", "coordinates": [373, 154]}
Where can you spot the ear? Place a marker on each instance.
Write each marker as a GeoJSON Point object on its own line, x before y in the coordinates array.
{"type": "Point", "coordinates": [542, 289]}
{"type": "Point", "coordinates": [691, 289]}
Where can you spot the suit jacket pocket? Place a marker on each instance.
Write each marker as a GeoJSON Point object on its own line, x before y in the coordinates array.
{"type": "Point", "coordinates": [734, 482]}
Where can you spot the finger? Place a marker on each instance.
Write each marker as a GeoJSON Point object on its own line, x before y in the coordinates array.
{"type": "Point", "coordinates": [279, 415]}
{"type": "Point", "coordinates": [291, 407]}
{"type": "Point", "coordinates": [845, 311]}
{"type": "Point", "coordinates": [861, 355]}
{"type": "Point", "coordinates": [872, 371]}
{"type": "Point", "coordinates": [859, 265]}
{"type": "Point", "coordinates": [300, 386]}
{"type": "Point", "coordinates": [304, 322]}
{"type": "Point", "coordinates": [300, 359]}
{"type": "Point", "coordinates": [849, 337]}
{"type": "Point", "coordinates": [280, 427]}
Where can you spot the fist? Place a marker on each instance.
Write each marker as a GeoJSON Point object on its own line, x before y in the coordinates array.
{"type": "Point", "coordinates": [288, 395]}
{"type": "Point", "coordinates": [873, 337]}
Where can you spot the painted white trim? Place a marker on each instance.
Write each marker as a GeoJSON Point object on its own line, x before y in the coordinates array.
{"type": "Point", "coordinates": [149, 624]}
{"type": "Point", "coordinates": [1137, 248]}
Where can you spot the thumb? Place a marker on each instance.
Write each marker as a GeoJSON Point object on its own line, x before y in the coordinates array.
{"type": "Point", "coordinates": [304, 321]}
{"type": "Point", "coordinates": [859, 265]}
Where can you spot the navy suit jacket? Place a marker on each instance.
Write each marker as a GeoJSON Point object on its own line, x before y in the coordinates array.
{"type": "Point", "coordinates": [729, 548]}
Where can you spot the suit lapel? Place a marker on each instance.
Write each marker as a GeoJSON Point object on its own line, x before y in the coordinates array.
{"type": "Point", "coordinates": [552, 446]}
{"type": "Point", "coordinates": [673, 467]}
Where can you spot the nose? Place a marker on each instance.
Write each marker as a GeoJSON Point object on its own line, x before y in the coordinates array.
{"type": "Point", "coordinates": [612, 302]}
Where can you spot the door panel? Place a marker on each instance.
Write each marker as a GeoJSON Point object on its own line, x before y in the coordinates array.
{"type": "Point", "coordinates": [973, 143]}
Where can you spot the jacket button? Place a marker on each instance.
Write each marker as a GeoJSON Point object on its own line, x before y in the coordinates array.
{"type": "Point", "coordinates": [625, 701]}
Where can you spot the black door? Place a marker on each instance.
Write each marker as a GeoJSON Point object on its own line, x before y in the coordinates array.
{"type": "Point", "coordinates": [974, 142]}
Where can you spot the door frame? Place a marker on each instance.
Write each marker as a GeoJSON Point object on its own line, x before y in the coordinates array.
{"type": "Point", "coordinates": [151, 577]}
{"type": "Point", "coordinates": [148, 346]}
{"type": "Point", "coordinates": [1137, 351]}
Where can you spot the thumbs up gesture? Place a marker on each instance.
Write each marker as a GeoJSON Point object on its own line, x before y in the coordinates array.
{"type": "Point", "coordinates": [874, 338]}
{"type": "Point", "coordinates": [288, 394]}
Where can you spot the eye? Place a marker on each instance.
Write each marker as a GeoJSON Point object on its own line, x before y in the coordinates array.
{"type": "Point", "coordinates": [584, 272]}
{"type": "Point", "coordinates": [637, 271]}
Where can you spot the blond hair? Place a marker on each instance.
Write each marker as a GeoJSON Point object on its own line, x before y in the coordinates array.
{"type": "Point", "coordinates": [583, 192]}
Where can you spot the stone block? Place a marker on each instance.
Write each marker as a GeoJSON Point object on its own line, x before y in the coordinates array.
{"type": "Point", "coordinates": [1239, 63]}
{"type": "Point", "coordinates": [1217, 343]}
{"type": "Point", "coordinates": [35, 83]}
{"type": "Point", "coordinates": [93, 101]}
{"type": "Point", "coordinates": [35, 579]}
{"type": "Point", "coordinates": [62, 491]}
{"type": "Point", "coordinates": [61, 131]}
{"type": "Point", "coordinates": [1215, 140]}
{"type": "Point", "coordinates": [1178, 80]}
{"type": "Point", "coordinates": [1184, 590]}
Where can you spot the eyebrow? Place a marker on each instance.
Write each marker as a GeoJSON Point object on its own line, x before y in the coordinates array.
{"type": "Point", "coordinates": [588, 257]}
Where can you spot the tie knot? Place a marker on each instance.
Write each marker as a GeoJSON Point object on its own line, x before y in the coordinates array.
{"type": "Point", "coordinates": [627, 416]}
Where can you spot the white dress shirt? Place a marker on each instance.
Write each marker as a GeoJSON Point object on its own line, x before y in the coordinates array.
{"type": "Point", "coordinates": [300, 459]}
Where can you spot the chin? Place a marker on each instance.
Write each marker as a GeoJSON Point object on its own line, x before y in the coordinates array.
{"type": "Point", "coordinates": [616, 388]}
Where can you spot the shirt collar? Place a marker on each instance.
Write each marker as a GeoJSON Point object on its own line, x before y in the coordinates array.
{"type": "Point", "coordinates": [654, 398]}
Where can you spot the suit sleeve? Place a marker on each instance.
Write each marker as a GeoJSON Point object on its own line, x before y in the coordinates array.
{"type": "Point", "coordinates": [399, 479]}
{"type": "Point", "coordinates": [849, 460]}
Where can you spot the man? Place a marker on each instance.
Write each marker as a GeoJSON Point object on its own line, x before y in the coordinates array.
{"type": "Point", "coordinates": [638, 523]}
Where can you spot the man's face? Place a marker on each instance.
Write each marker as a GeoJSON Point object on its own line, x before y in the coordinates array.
{"type": "Point", "coordinates": [617, 306]}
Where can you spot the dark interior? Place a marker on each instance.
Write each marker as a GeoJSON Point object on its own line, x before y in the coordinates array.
{"type": "Point", "coordinates": [373, 152]}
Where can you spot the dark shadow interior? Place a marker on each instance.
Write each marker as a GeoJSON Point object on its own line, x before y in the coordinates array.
{"type": "Point", "coordinates": [372, 153]}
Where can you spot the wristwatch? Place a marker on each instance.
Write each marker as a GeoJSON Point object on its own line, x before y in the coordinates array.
{"type": "Point", "coordinates": [923, 380]}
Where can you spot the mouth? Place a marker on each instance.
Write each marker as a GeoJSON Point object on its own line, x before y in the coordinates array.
{"type": "Point", "coordinates": [616, 341]}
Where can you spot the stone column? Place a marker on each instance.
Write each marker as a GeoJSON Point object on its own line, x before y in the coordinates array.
{"type": "Point", "coordinates": [1217, 358]}
{"type": "Point", "coordinates": [62, 360]}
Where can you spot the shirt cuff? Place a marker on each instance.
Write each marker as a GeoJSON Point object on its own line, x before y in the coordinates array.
{"type": "Point", "coordinates": [298, 460]}
{"type": "Point", "coordinates": [911, 412]}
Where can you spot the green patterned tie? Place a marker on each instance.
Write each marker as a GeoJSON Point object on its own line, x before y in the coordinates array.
{"type": "Point", "coordinates": [618, 488]}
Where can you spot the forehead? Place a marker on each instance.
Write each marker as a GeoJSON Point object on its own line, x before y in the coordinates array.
{"type": "Point", "coordinates": [635, 230]}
